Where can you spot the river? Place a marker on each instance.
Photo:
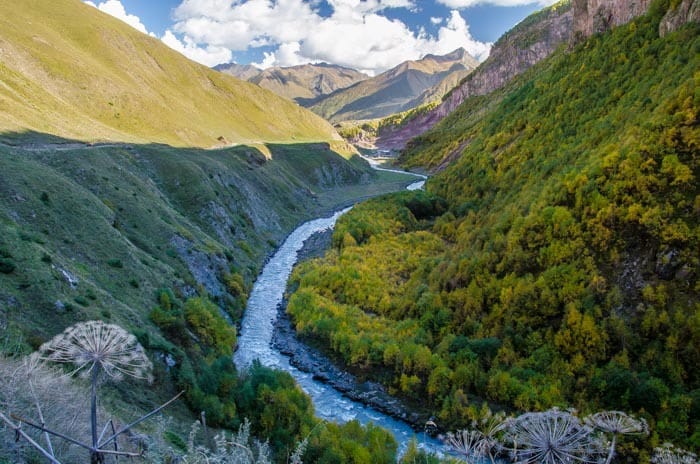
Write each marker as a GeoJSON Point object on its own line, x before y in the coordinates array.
{"type": "Point", "coordinates": [257, 327]}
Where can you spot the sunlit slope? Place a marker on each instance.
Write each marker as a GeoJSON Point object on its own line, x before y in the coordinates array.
{"type": "Point", "coordinates": [68, 69]}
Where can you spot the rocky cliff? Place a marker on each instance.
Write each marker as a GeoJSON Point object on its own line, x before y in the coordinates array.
{"type": "Point", "coordinates": [595, 16]}
{"type": "Point", "coordinates": [687, 11]}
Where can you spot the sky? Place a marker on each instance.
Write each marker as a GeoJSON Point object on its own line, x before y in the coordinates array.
{"type": "Point", "coordinates": [369, 35]}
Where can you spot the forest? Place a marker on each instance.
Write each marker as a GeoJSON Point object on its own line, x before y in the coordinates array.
{"type": "Point", "coordinates": [553, 264]}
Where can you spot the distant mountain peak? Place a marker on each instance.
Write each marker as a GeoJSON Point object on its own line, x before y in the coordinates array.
{"type": "Point", "coordinates": [405, 86]}
{"type": "Point", "coordinates": [304, 83]}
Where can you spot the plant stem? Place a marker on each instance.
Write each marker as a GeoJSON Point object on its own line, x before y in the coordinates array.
{"type": "Point", "coordinates": [95, 457]}
{"type": "Point", "coordinates": [612, 449]}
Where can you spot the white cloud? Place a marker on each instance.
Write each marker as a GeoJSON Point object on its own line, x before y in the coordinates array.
{"type": "Point", "coordinates": [356, 34]}
{"type": "Point", "coordinates": [116, 9]}
{"type": "Point", "coordinates": [287, 54]}
{"type": "Point", "coordinates": [468, 3]}
{"type": "Point", "coordinates": [436, 20]}
{"type": "Point", "coordinates": [209, 56]}
{"type": "Point", "coordinates": [456, 34]}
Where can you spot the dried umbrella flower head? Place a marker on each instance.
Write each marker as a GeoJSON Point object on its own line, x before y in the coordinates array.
{"type": "Point", "coordinates": [95, 344]}
{"type": "Point", "coordinates": [552, 437]}
{"type": "Point", "coordinates": [467, 443]}
{"type": "Point", "coordinates": [669, 454]}
{"type": "Point", "coordinates": [617, 423]}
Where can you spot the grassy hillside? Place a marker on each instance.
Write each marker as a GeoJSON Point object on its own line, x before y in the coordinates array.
{"type": "Point", "coordinates": [554, 262]}
{"type": "Point", "coordinates": [123, 221]}
{"type": "Point", "coordinates": [163, 242]}
{"type": "Point", "coordinates": [69, 70]}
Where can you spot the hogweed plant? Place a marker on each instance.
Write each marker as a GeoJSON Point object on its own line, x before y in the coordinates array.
{"type": "Point", "coordinates": [482, 441]}
{"type": "Point", "coordinates": [94, 348]}
{"type": "Point", "coordinates": [551, 437]}
{"type": "Point", "coordinates": [234, 449]}
{"type": "Point", "coordinates": [467, 443]}
{"type": "Point", "coordinates": [616, 423]}
{"type": "Point", "coordinates": [669, 454]}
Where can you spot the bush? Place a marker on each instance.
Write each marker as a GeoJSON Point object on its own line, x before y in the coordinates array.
{"type": "Point", "coordinates": [7, 266]}
{"type": "Point", "coordinates": [117, 263]}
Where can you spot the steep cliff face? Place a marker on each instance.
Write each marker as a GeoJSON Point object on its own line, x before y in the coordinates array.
{"type": "Point", "coordinates": [534, 39]}
{"type": "Point", "coordinates": [594, 16]}
{"type": "Point", "coordinates": [687, 11]}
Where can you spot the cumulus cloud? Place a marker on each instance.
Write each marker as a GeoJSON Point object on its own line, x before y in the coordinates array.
{"type": "Point", "coordinates": [356, 34]}
{"type": "Point", "coordinates": [116, 9]}
{"type": "Point", "coordinates": [209, 55]}
{"type": "Point", "coordinates": [468, 3]}
{"type": "Point", "coordinates": [287, 54]}
{"type": "Point", "coordinates": [436, 20]}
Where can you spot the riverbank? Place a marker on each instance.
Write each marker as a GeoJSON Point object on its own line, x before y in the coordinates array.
{"type": "Point", "coordinates": [310, 360]}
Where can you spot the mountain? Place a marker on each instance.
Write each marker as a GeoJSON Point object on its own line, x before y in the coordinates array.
{"type": "Point", "coordinates": [553, 258]}
{"type": "Point", "coordinates": [308, 82]}
{"type": "Point", "coordinates": [80, 74]}
{"type": "Point", "coordinates": [395, 90]}
{"type": "Point", "coordinates": [305, 83]}
{"type": "Point", "coordinates": [530, 41]}
{"type": "Point", "coordinates": [241, 71]}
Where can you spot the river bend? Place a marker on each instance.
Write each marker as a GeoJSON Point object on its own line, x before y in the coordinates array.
{"type": "Point", "coordinates": [255, 341]}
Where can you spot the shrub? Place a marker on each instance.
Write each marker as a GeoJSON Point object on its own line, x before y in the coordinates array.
{"type": "Point", "coordinates": [7, 266]}
{"type": "Point", "coordinates": [117, 263]}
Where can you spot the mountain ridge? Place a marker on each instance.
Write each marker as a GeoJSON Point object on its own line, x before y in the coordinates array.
{"type": "Point", "coordinates": [303, 83]}
{"type": "Point", "coordinates": [527, 43]}
{"type": "Point", "coordinates": [394, 90]}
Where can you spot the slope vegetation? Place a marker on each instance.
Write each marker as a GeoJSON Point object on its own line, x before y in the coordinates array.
{"type": "Point", "coordinates": [69, 70]}
{"type": "Point", "coordinates": [165, 242]}
{"type": "Point", "coordinates": [554, 262]}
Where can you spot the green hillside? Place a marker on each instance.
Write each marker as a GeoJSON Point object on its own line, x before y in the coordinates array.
{"type": "Point", "coordinates": [124, 221]}
{"type": "Point", "coordinates": [553, 263]}
{"type": "Point", "coordinates": [164, 242]}
{"type": "Point", "coordinates": [69, 70]}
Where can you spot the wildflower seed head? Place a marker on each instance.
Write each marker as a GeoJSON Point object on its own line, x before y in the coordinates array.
{"type": "Point", "coordinates": [552, 437]}
{"type": "Point", "coordinates": [96, 344]}
{"type": "Point", "coordinates": [617, 422]}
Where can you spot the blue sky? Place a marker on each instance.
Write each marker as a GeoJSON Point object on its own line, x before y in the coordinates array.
{"type": "Point", "coordinates": [370, 35]}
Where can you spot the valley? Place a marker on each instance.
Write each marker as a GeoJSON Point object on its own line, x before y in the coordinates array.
{"type": "Point", "coordinates": [522, 263]}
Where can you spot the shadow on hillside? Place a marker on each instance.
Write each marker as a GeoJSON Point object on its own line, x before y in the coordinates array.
{"type": "Point", "coordinates": [322, 173]}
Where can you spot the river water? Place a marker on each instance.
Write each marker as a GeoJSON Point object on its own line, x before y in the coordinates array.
{"type": "Point", "coordinates": [255, 342]}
